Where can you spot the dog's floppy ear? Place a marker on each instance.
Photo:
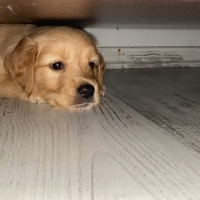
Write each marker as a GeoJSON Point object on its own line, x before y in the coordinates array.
{"type": "Point", "coordinates": [101, 69]}
{"type": "Point", "coordinates": [20, 64]}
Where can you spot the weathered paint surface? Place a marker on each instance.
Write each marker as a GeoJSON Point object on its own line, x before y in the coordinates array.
{"type": "Point", "coordinates": [142, 143]}
{"type": "Point", "coordinates": [151, 57]}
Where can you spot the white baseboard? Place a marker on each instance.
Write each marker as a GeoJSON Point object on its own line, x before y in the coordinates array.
{"type": "Point", "coordinates": [146, 37]}
{"type": "Point", "coordinates": [143, 57]}
{"type": "Point", "coordinates": [135, 48]}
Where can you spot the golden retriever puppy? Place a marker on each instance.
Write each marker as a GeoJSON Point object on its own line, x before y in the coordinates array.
{"type": "Point", "coordinates": [60, 66]}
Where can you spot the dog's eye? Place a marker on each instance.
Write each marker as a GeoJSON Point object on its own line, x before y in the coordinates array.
{"type": "Point", "coordinates": [57, 66]}
{"type": "Point", "coordinates": [92, 64]}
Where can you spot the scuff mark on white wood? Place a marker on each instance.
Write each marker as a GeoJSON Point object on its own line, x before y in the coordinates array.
{"type": "Point", "coordinates": [151, 57]}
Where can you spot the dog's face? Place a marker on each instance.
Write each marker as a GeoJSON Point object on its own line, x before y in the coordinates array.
{"type": "Point", "coordinates": [59, 66]}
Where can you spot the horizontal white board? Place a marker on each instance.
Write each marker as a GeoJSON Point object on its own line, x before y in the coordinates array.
{"type": "Point", "coordinates": [146, 37]}
{"type": "Point", "coordinates": [141, 57]}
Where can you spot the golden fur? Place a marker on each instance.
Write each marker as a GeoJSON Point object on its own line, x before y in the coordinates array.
{"type": "Point", "coordinates": [26, 55]}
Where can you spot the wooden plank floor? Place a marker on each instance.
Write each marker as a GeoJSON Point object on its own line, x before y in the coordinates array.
{"type": "Point", "coordinates": [142, 143]}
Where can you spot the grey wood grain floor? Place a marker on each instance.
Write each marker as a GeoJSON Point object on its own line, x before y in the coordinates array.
{"type": "Point", "coordinates": [142, 143]}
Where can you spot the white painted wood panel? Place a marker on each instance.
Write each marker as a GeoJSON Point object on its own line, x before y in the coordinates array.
{"type": "Point", "coordinates": [144, 48]}
{"type": "Point", "coordinates": [150, 57]}
{"type": "Point", "coordinates": [111, 37]}
{"type": "Point", "coordinates": [111, 152]}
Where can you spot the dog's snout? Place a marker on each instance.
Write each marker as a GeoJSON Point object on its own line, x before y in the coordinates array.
{"type": "Point", "coordinates": [86, 91]}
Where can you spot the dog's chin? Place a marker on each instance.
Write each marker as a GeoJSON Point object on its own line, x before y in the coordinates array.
{"type": "Point", "coordinates": [82, 106]}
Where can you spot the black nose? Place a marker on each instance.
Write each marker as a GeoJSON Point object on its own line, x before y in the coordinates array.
{"type": "Point", "coordinates": [86, 91]}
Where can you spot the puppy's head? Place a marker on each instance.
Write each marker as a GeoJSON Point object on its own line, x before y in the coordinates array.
{"type": "Point", "coordinates": [59, 66]}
